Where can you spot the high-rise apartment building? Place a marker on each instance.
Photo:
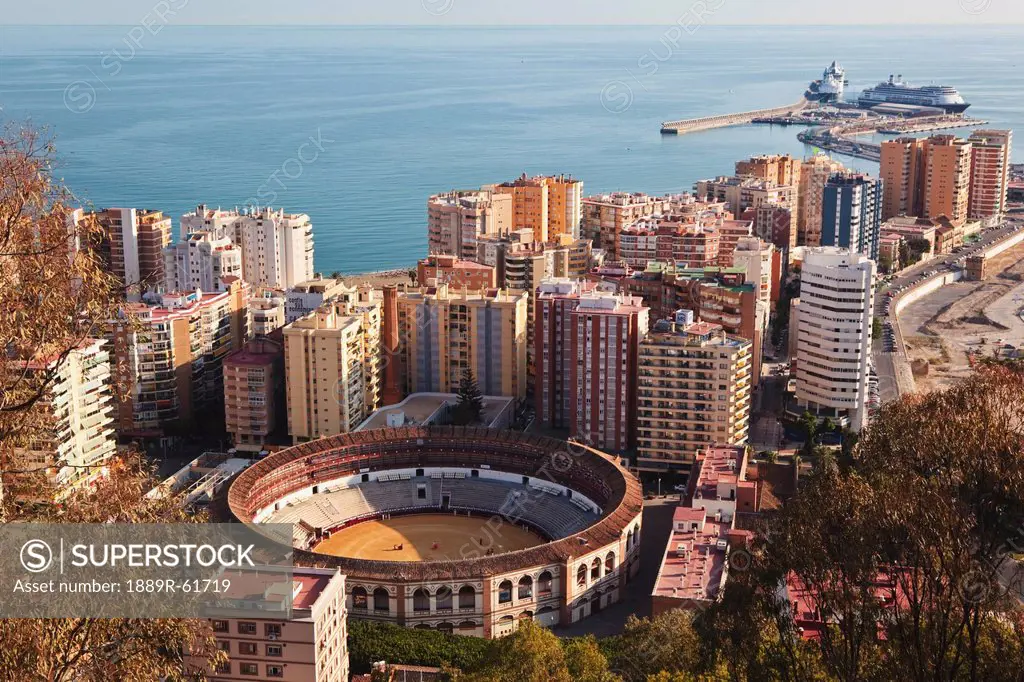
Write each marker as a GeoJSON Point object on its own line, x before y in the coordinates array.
{"type": "Point", "coordinates": [132, 246]}
{"type": "Point", "coordinates": [332, 369]}
{"type": "Point", "coordinates": [851, 215]}
{"type": "Point", "coordinates": [77, 439]}
{"type": "Point", "coordinates": [550, 206]}
{"type": "Point", "coordinates": [445, 332]}
{"type": "Point", "coordinates": [553, 340]}
{"type": "Point", "coordinates": [201, 261]}
{"type": "Point", "coordinates": [900, 168]}
{"type": "Point", "coordinates": [926, 178]}
{"type": "Point", "coordinates": [277, 248]}
{"type": "Point", "coordinates": [606, 333]}
{"type": "Point", "coordinates": [694, 390]}
{"type": "Point", "coordinates": [606, 215]}
{"type": "Point", "coordinates": [990, 172]}
{"type": "Point", "coordinates": [834, 335]}
{"type": "Point", "coordinates": [457, 220]}
{"type": "Point", "coordinates": [171, 353]}
{"type": "Point", "coordinates": [307, 644]}
{"type": "Point", "coordinates": [758, 260]}
{"type": "Point", "coordinates": [814, 175]}
{"type": "Point", "coordinates": [783, 170]}
{"type": "Point", "coordinates": [586, 351]}
{"type": "Point", "coordinates": [253, 389]}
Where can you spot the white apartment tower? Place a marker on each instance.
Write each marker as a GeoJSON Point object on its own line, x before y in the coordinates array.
{"type": "Point", "coordinates": [277, 248]}
{"type": "Point", "coordinates": [79, 438]}
{"type": "Point", "coordinates": [201, 261]}
{"type": "Point", "coordinates": [834, 334]}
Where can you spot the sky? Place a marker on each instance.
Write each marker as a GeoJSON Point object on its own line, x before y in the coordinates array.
{"type": "Point", "coordinates": [515, 12]}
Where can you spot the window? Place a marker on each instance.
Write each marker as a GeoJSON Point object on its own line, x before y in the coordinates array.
{"type": "Point", "coordinates": [609, 563]}
{"type": "Point", "coordinates": [467, 597]}
{"type": "Point", "coordinates": [275, 650]}
{"type": "Point", "coordinates": [581, 575]}
{"type": "Point", "coordinates": [526, 587]}
{"type": "Point", "coordinates": [272, 630]}
{"type": "Point", "coordinates": [420, 600]}
{"type": "Point", "coordinates": [224, 646]}
{"type": "Point", "coordinates": [595, 569]}
{"type": "Point", "coordinates": [443, 598]}
{"type": "Point", "coordinates": [505, 592]}
{"type": "Point", "coordinates": [359, 598]}
{"type": "Point", "coordinates": [544, 583]}
{"type": "Point", "coordinates": [246, 628]}
{"type": "Point", "coordinates": [249, 669]}
{"type": "Point", "coordinates": [247, 648]}
{"type": "Point", "coordinates": [381, 600]}
{"type": "Point", "coordinates": [224, 668]}
{"type": "Point", "coordinates": [220, 626]}
{"type": "Point", "coordinates": [275, 671]}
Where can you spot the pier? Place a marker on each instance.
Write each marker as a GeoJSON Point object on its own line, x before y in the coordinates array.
{"type": "Point", "coordinates": [692, 125]}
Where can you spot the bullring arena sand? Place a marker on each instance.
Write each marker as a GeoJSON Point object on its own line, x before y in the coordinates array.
{"type": "Point", "coordinates": [455, 537]}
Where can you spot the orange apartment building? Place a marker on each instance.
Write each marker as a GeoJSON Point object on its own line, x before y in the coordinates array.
{"type": "Point", "coordinates": [455, 272]}
{"type": "Point", "coordinates": [310, 645]}
{"type": "Point", "coordinates": [551, 206]}
{"type": "Point", "coordinates": [780, 169]}
{"type": "Point", "coordinates": [990, 172]}
{"type": "Point", "coordinates": [814, 175]}
{"type": "Point", "coordinates": [926, 177]}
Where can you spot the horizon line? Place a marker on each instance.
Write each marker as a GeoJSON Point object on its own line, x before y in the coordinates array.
{"type": "Point", "coordinates": [455, 24]}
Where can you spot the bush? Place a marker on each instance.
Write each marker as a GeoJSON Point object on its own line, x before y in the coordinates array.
{"type": "Point", "coordinates": [369, 642]}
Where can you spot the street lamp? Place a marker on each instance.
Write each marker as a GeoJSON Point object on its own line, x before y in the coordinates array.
{"type": "Point", "coordinates": [659, 486]}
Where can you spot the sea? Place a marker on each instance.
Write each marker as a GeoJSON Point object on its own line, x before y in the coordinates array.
{"type": "Point", "coordinates": [358, 126]}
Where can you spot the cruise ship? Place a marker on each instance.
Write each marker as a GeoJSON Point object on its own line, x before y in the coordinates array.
{"type": "Point", "coordinates": [830, 87]}
{"type": "Point", "coordinates": [895, 91]}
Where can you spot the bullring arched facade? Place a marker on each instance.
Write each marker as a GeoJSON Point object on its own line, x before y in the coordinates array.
{"type": "Point", "coordinates": [560, 582]}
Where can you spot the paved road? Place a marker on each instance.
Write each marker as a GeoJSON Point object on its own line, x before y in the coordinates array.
{"type": "Point", "coordinates": [887, 365]}
{"type": "Point", "coordinates": [636, 599]}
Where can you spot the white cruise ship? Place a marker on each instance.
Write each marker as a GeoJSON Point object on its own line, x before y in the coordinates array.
{"type": "Point", "coordinates": [896, 91]}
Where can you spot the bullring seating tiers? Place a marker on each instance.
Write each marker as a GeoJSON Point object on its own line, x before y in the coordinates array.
{"type": "Point", "coordinates": [555, 516]}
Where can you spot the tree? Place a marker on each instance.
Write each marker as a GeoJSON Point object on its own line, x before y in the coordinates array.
{"type": "Point", "coordinates": [71, 649]}
{"type": "Point", "coordinates": [902, 553]}
{"type": "Point", "coordinates": [876, 328]}
{"type": "Point", "coordinates": [336, 275]}
{"type": "Point", "coordinates": [530, 654]}
{"type": "Point", "coordinates": [469, 408]}
{"type": "Point", "coordinates": [647, 646]}
{"type": "Point", "coordinates": [809, 425]}
{"type": "Point", "coordinates": [55, 293]}
{"type": "Point", "coordinates": [414, 276]}
{"type": "Point", "coordinates": [586, 663]}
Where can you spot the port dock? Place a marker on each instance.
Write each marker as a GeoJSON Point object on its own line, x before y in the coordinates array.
{"type": "Point", "coordinates": [693, 125]}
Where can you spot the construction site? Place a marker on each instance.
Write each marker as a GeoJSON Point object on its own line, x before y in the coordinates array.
{"type": "Point", "coordinates": [948, 331]}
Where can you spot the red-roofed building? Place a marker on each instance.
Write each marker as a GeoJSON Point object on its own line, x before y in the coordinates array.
{"type": "Point", "coordinates": [704, 534]}
{"type": "Point", "coordinates": [309, 646]}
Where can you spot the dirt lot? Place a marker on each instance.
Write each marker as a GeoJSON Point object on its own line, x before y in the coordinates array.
{"type": "Point", "coordinates": [379, 279]}
{"type": "Point", "coordinates": [968, 318]}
